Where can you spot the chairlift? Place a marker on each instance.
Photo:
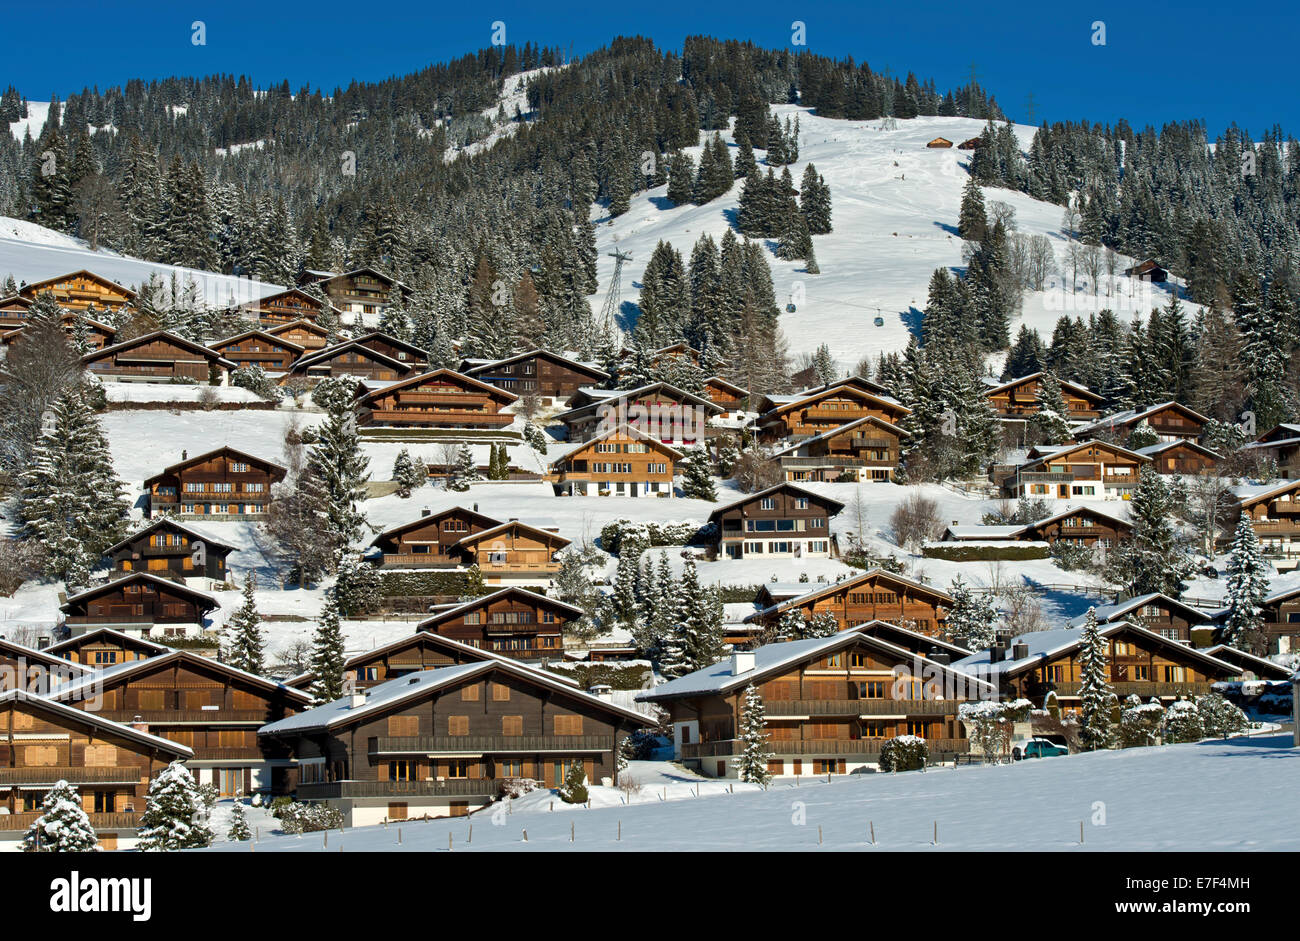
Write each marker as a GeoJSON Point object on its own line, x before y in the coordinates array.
{"type": "Point", "coordinates": [880, 321]}
{"type": "Point", "coordinates": [789, 308]}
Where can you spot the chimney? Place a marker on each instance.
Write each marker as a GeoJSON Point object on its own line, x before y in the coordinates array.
{"type": "Point", "coordinates": [43, 641]}
{"type": "Point", "coordinates": [185, 455]}
{"type": "Point", "coordinates": [995, 654]}
{"type": "Point", "coordinates": [742, 661]}
{"type": "Point", "coordinates": [1019, 651]}
{"type": "Point", "coordinates": [475, 507]}
{"type": "Point", "coordinates": [356, 700]}
{"type": "Point", "coordinates": [602, 691]}
{"type": "Point", "coordinates": [139, 725]}
{"type": "Point", "coordinates": [425, 511]}
{"type": "Point", "coordinates": [943, 659]}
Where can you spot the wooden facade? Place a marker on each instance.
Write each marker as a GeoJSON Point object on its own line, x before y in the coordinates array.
{"type": "Point", "coordinates": [394, 348]}
{"type": "Point", "coordinates": [206, 706]}
{"type": "Point", "coordinates": [1158, 613]}
{"type": "Point", "coordinates": [784, 521]}
{"type": "Point", "coordinates": [285, 307]}
{"type": "Point", "coordinates": [1018, 398]}
{"type": "Point", "coordinates": [830, 704]}
{"type": "Point", "coordinates": [94, 334]}
{"type": "Point", "coordinates": [659, 410]}
{"type": "Point", "coordinates": [273, 353]}
{"type": "Point", "coordinates": [105, 647]}
{"type": "Point", "coordinates": [514, 622]}
{"type": "Point", "coordinates": [36, 671]}
{"type": "Point", "coordinates": [1274, 513]}
{"type": "Point", "coordinates": [540, 373]}
{"type": "Point", "coordinates": [13, 311]}
{"type": "Point", "coordinates": [512, 553]}
{"type": "Point", "coordinates": [1180, 457]}
{"type": "Point", "coordinates": [166, 546]}
{"type": "Point", "coordinates": [430, 541]}
{"type": "Point", "coordinates": [159, 357]}
{"type": "Point", "coordinates": [81, 291]}
{"type": "Point", "coordinates": [110, 765]}
{"type": "Point", "coordinates": [875, 595]}
{"type": "Point", "coordinates": [816, 411]}
{"type": "Point", "coordinates": [351, 359]}
{"type": "Point", "coordinates": [731, 398]}
{"type": "Point", "coordinates": [1081, 526]}
{"type": "Point", "coordinates": [865, 450]}
{"type": "Point", "coordinates": [438, 399]}
{"type": "Point", "coordinates": [304, 333]}
{"type": "Point", "coordinates": [621, 462]}
{"type": "Point", "coordinates": [1281, 615]}
{"type": "Point", "coordinates": [220, 483]}
{"type": "Point", "coordinates": [362, 291]}
{"type": "Point", "coordinates": [139, 603]}
{"type": "Point", "coordinates": [443, 742]}
{"type": "Point", "coordinates": [1089, 470]}
{"type": "Point", "coordinates": [1171, 421]}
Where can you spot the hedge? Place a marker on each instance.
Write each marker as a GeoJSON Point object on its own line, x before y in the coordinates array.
{"type": "Point", "coordinates": [393, 584]}
{"type": "Point", "coordinates": [956, 552]}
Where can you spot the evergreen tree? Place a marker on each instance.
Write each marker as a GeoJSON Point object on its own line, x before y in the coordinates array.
{"type": "Point", "coordinates": [245, 644]}
{"type": "Point", "coordinates": [1096, 696]}
{"type": "Point", "coordinates": [1248, 580]}
{"type": "Point", "coordinates": [63, 826]}
{"type": "Point", "coordinates": [175, 817]}
{"type": "Point", "coordinates": [681, 178]}
{"type": "Point", "coordinates": [1154, 557]}
{"type": "Point", "coordinates": [972, 222]}
{"type": "Point", "coordinates": [697, 480]}
{"type": "Point", "coordinates": [357, 588]}
{"type": "Point", "coordinates": [971, 618]}
{"type": "Point", "coordinates": [406, 474]}
{"type": "Point", "coordinates": [1050, 423]}
{"type": "Point", "coordinates": [338, 463]}
{"type": "Point", "coordinates": [756, 751]}
{"type": "Point", "coordinates": [815, 201]}
{"type": "Point", "coordinates": [239, 830]}
{"type": "Point", "coordinates": [327, 657]}
{"type": "Point", "coordinates": [463, 470]}
{"type": "Point", "coordinates": [699, 622]}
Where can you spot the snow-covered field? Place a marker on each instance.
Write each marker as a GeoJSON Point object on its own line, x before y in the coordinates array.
{"type": "Point", "coordinates": [1142, 799]}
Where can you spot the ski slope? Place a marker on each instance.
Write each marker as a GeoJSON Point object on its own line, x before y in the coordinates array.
{"type": "Point", "coordinates": [894, 205]}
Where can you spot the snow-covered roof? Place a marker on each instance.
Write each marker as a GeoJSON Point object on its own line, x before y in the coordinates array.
{"type": "Point", "coordinates": [109, 632]}
{"type": "Point", "coordinates": [86, 716]}
{"type": "Point", "coordinates": [1132, 416]}
{"type": "Point", "coordinates": [1115, 612]}
{"type": "Point", "coordinates": [1151, 450]}
{"type": "Point", "coordinates": [1219, 650]}
{"type": "Point", "coordinates": [152, 663]}
{"type": "Point", "coordinates": [816, 590]}
{"type": "Point", "coordinates": [966, 533]}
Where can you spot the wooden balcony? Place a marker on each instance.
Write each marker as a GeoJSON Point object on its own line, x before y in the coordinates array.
{"type": "Point", "coordinates": [861, 707]}
{"type": "Point", "coordinates": [439, 419]}
{"type": "Point", "coordinates": [1123, 689]}
{"type": "Point", "coordinates": [73, 775]}
{"type": "Point", "coordinates": [188, 716]}
{"type": "Point", "coordinates": [451, 787]}
{"type": "Point", "coordinates": [118, 821]}
{"type": "Point", "coordinates": [488, 744]}
{"type": "Point", "coordinates": [866, 748]}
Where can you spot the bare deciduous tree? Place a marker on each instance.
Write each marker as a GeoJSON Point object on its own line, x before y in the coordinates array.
{"type": "Point", "coordinates": [916, 520]}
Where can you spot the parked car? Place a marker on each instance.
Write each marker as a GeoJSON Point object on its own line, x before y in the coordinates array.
{"type": "Point", "coordinates": [1037, 748]}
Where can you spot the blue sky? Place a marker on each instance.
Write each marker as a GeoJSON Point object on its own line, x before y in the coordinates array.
{"type": "Point", "coordinates": [1160, 61]}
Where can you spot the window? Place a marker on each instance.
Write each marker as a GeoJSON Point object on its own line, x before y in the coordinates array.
{"type": "Point", "coordinates": [857, 660]}
{"type": "Point", "coordinates": [103, 802]}
{"type": "Point", "coordinates": [367, 674]}
{"type": "Point", "coordinates": [457, 725]}
{"type": "Point", "coordinates": [767, 503]}
{"type": "Point", "coordinates": [512, 725]}
{"type": "Point", "coordinates": [1174, 674]}
{"type": "Point", "coordinates": [469, 693]}
{"type": "Point", "coordinates": [500, 692]}
{"type": "Point", "coordinates": [568, 725]}
{"type": "Point", "coordinates": [403, 726]}
{"type": "Point", "coordinates": [458, 768]}
{"type": "Point", "coordinates": [403, 770]}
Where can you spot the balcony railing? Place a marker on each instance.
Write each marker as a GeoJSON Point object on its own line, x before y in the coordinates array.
{"type": "Point", "coordinates": [189, 716]}
{"type": "Point", "coordinates": [118, 821]}
{"type": "Point", "coordinates": [421, 560]}
{"type": "Point", "coordinates": [452, 787]}
{"type": "Point", "coordinates": [435, 419]}
{"type": "Point", "coordinates": [861, 707]}
{"type": "Point", "coordinates": [488, 744]}
{"type": "Point", "coordinates": [49, 775]}
{"type": "Point", "coordinates": [1125, 688]}
{"type": "Point", "coordinates": [868, 748]}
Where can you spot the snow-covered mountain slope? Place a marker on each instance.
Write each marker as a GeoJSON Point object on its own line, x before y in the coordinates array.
{"type": "Point", "coordinates": [895, 204]}
{"type": "Point", "coordinates": [31, 252]}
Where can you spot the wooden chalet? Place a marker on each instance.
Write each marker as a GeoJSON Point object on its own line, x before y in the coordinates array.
{"type": "Point", "coordinates": [273, 353]}
{"type": "Point", "coordinates": [36, 671]}
{"type": "Point", "coordinates": [159, 357]}
{"type": "Point", "coordinates": [351, 358]}
{"type": "Point", "coordinates": [167, 546]}
{"type": "Point", "coordinates": [939, 142]}
{"type": "Point", "coordinates": [658, 409]}
{"type": "Point", "coordinates": [514, 622]}
{"type": "Point", "coordinates": [82, 290]}
{"type": "Point", "coordinates": [438, 399]}
{"type": "Point", "coordinates": [864, 450]}
{"type": "Point", "coordinates": [875, 595]}
{"type": "Point", "coordinates": [1149, 270]}
{"type": "Point", "coordinates": [13, 311]}
{"type": "Point", "coordinates": [1088, 470]}
{"type": "Point", "coordinates": [443, 742]}
{"type": "Point", "coordinates": [1274, 513]}
{"type": "Point", "coordinates": [813, 412]}
{"type": "Point", "coordinates": [1140, 662]}
{"type": "Point", "coordinates": [94, 334]}
{"type": "Point", "coordinates": [1280, 444]}
{"type": "Point", "coordinates": [731, 398]}
{"type": "Point", "coordinates": [1161, 614]}
{"type": "Point", "coordinates": [1180, 457]}
{"type": "Point", "coordinates": [140, 604]}
{"type": "Point", "coordinates": [971, 143]}
{"type": "Point", "coordinates": [205, 705]}
{"type": "Point", "coordinates": [394, 348]}
{"type": "Point", "coordinates": [1018, 398]}
{"type": "Point", "coordinates": [286, 307]}
{"type": "Point", "coordinates": [221, 483]}
{"type": "Point", "coordinates": [665, 354]}
{"type": "Point", "coordinates": [110, 764]}
{"type": "Point", "coordinates": [361, 291]}
{"type": "Point", "coordinates": [1281, 615]}
{"type": "Point", "coordinates": [784, 521]}
{"type": "Point", "coordinates": [619, 462]}
{"type": "Point", "coordinates": [105, 647]}
{"type": "Point", "coordinates": [1171, 421]}
{"type": "Point", "coordinates": [430, 541]}
{"type": "Point", "coordinates": [831, 703]}
{"type": "Point", "coordinates": [1080, 526]}
{"type": "Point", "coordinates": [304, 333]}
{"type": "Point", "coordinates": [541, 373]}
{"type": "Point", "coordinates": [414, 653]}
{"type": "Point", "coordinates": [512, 553]}
{"type": "Point", "coordinates": [1251, 666]}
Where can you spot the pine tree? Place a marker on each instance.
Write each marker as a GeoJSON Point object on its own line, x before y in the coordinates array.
{"type": "Point", "coordinates": [815, 201]}
{"type": "Point", "coordinates": [406, 475]}
{"type": "Point", "coordinates": [245, 644]}
{"type": "Point", "coordinates": [1248, 582]}
{"type": "Point", "coordinates": [357, 587]}
{"type": "Point", "coordinates": [175, 817]}
{"type": "Point", "coordinates": [239, 830]}
{"type": "Point", "coordinates": [71, 501]}
{"type": "Point", "coordinates": [971, 618]}
{"type": "Point", "coordinates": [699, 622]}
{"type": "Point", "coordinates": [1049, 423]}
{"type": "Point", "coordinates": [327, 657]}
{"type": "Point", "coordinates": [338, 462]}
{"type": "Point", "coordinates": [972, 222]}
{"type": "Point", "coordinates": [1153, 557]}
{"type": "Point", "coordinates": [463, 470]}
{"type": "Point", "coordinates": [1096, 696]}
{"type": "Point", "coordinates": [697, 480]}
{"type": "Point", "coordinates": [63, 826]}
{"type": "Point", "coordinates": [756, 752]}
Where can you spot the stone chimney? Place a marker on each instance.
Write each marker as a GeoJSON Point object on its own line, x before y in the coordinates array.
{"type": "Point", "coordinates": [356, 700]}
{"type": "Point", "coordinates": [742, 661]}
{"type": "Point", "coordinates": [602, 691]}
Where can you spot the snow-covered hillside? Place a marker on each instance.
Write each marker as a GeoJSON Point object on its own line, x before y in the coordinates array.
{"type": "Point", "coordinates": [1123, 799]}
{"type": "Point", "coordinates": [894, 208]}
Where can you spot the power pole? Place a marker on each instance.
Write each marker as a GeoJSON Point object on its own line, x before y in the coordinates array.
{"type": "Point", "coordinates": [609, 311]}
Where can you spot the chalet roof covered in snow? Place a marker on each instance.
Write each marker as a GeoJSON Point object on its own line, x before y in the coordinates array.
{"type": "Point", "coordinates": [86, 717]}
{"type": "Point", "coordinates": [1118, 612]}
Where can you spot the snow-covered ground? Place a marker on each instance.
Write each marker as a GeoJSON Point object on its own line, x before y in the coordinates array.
{"type": "Point", "coordinates": [894, 205]}
{"type": "Point", "coordinates": [1141, 799]}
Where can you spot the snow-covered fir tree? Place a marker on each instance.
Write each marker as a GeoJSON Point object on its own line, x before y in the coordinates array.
{"type": "Point", "coordinates": [1096, 695]}
{"type": "Point", "coordinates": [1154, 556]}
{"type": "Point", "coordinates": [1050, 422]}
{"type": "Point", "coordinates": [463, 470]}
{"type": "Point", "coordinates": [63, 826]}
{"type": "Point", "coordinates": [340, 466]}
{"type": "Point", "coordinates": [1183, 723]}
{"type": "Point", "coordinates": [357, 589]}
{"type": "Point", "coordinates": [972, 617]}
{"type": "Point", "coordinates": [327, 657]}
{"type": "Point", "coordinates": [244, 645]}
{"type": "Point", "coordinates": [239, 830]}
{"type": "Point", "coordinates": [175, 815]}
{"type": "Point", "coordinates": [1139, 723]}
{"type": "Point", "coordinates": [697, 476]}
{"type": "Point", "coordinates": [756, 752]}
{"type": "Point", "coordinates": [407, 474]}
{"type": "Point", "coordinates": [699, 622]}
{"type": "Point", "coordinates": [1247, 587]}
